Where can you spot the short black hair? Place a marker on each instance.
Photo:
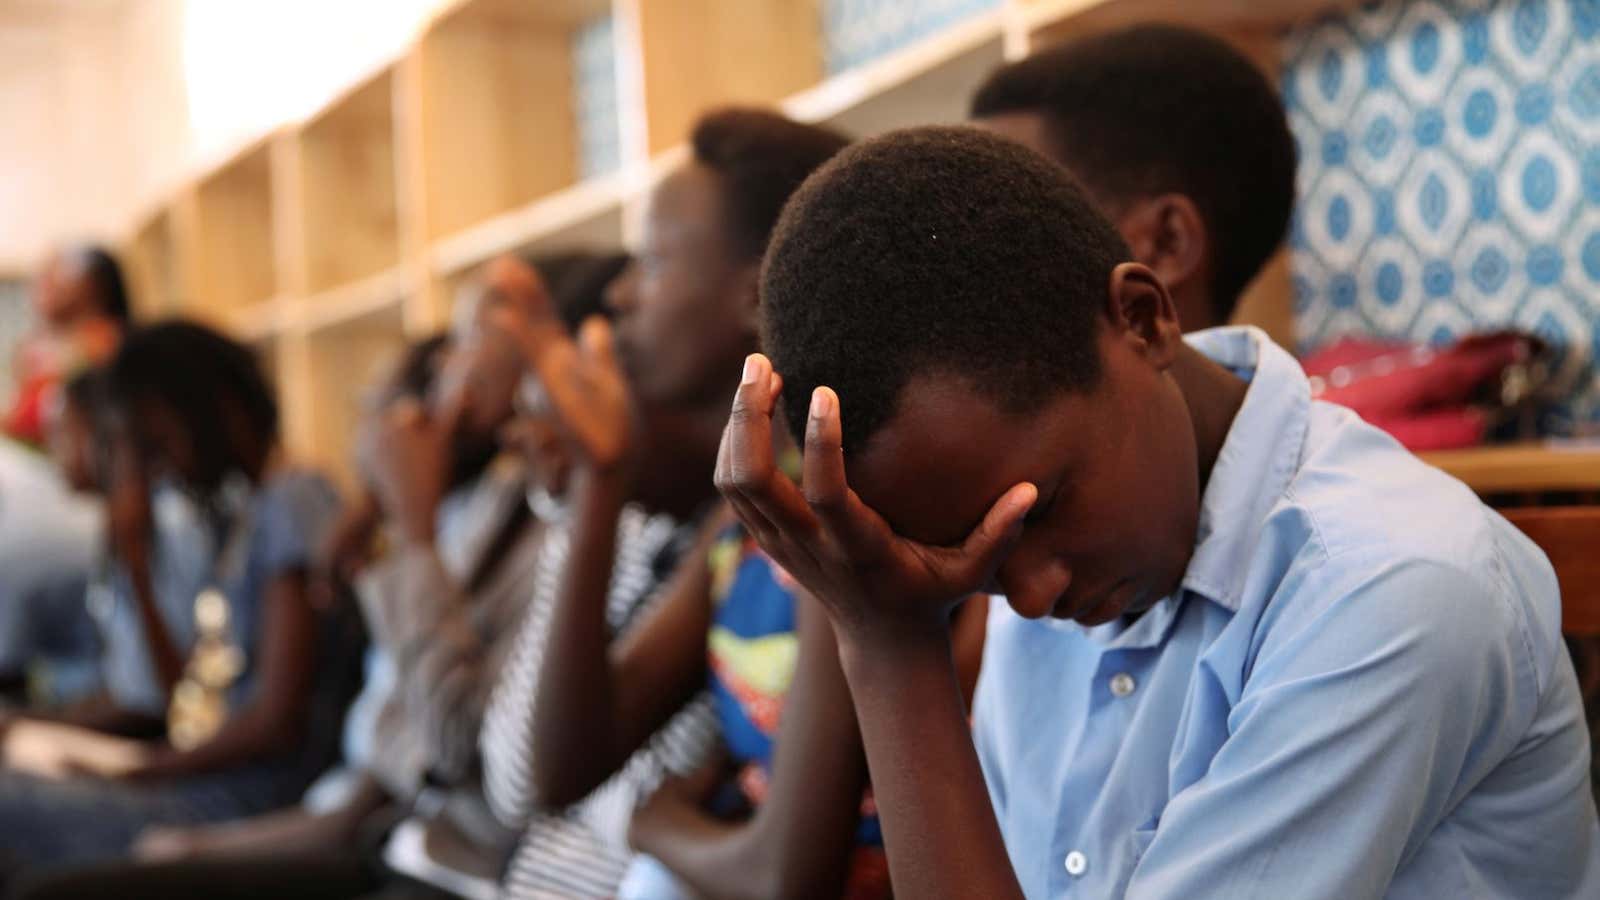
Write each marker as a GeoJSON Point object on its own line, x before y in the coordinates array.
{"type": "Point", "coordinates": [760, 158]}
{"type": "Point", "coordinates": [204, 378]}
{"type": "Point", "coordinates": [936, 251]}
{"type": "Point", "coordinates": [1157, 108]}
{"type": "Point", "coordinates": [99, 266]}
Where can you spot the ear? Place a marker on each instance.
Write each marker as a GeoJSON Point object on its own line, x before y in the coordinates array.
{"type": "Point", "coordinates": [747, 283]}
{"type": "Point", "coordinates": [1141, 312]}
{"type": "Point", "coordinates": [1167, 233]}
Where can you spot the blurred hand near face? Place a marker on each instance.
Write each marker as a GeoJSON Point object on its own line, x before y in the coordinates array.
{"type": "Point", "coordinates": [588, 394]}
{"type": "Point", "coordinates": [409, 456]}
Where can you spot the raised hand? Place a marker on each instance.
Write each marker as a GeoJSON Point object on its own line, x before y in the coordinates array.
{"type": "Point", "coordinates": [870, 579]}
{"type": "Point", "coordinates": [582, 379]}
{"type": "Point", "coordinates": [409, 458]}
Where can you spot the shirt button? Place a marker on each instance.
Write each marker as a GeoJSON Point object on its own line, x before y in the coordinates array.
{"type": "Point", "coordinates": [1122, 684]}
{"type": "Point", "coordinates": [1077, 864]}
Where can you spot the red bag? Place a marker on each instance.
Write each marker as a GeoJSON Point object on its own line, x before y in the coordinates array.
{"type": "Point", "coordinates": [1429, 398]}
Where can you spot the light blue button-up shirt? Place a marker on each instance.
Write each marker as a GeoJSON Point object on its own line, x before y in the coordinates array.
{"type": "Point", "coordinates": [1360, 691]}
{"type": "Point", "coordinates": [283, 521]}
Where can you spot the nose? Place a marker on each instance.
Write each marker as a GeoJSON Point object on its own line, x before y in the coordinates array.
{"type": "Point", "coordinates": [1034, 582]}
{"type": "Point", "coordinates": [620, 293]}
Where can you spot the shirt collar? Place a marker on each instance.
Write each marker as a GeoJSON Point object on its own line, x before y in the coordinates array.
{"type": "Point", "coordinates": [1258, 458]}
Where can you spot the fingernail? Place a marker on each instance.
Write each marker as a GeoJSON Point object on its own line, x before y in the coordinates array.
{"type": "Point", "coordinates": [819, 403]}
{"type": "Point", "coordinates": [751, 370]}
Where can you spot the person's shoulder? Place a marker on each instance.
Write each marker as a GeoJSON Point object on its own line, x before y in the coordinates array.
{"type": "Point", "coordinates": [1377, 521]}
{"type": "Point", "coordinates": [1364, 498]}
{"type": "Point", "coordinates": [299, 499]}
{"type": "Point", "coordinates": [1363, 492]}
{"type": "Point", "coordinates": [298, 484]}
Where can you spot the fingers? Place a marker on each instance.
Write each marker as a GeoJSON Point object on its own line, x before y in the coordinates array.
{"type": "Point", "coordinates": [406, 412]}
{"type": "Point", "coordinates": [994, 537]}
{"type": "Point", "coordinates": [858, 530]}
{"type": "Point", "coordinates": [450, 404]}
{"type": "Point", "coordinates": [518, 283]}
{"type": "Point", "coordinates": [596, 343]}
{"type": "Point", "coordinates": [747, 472]}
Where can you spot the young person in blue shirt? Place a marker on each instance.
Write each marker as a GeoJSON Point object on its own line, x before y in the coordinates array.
{"type": "Point", "coordinates": [1249, 646]}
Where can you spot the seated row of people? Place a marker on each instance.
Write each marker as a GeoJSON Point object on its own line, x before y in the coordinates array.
{"type": "Point", "coordinates": [953, 372]}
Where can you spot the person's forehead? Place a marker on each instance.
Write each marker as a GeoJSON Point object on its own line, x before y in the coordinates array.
{"type": "Point", "coordinates": [687, 198]}
{"type": "Point", "coordinates": [949, 452]}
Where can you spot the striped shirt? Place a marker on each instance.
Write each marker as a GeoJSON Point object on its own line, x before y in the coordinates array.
{"type": "Point", "coordinates": [582, 851]}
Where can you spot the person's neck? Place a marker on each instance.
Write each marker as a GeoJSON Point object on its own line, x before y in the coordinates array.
{"type": "Point", "coordinates": [1214, 396]}
{"type": "Point", "coordinates": [681, 459]}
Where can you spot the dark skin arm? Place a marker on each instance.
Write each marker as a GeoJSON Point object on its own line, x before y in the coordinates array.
{"type": "Point", "coordinates": [798, 842]}
{"type": "Point", "coordinates": [98, 712]}
{"type": "Point", "coordinates": [288, 831]}
{"type": "Point", "coordinates": [889, 600]}
{"type": "Point", "coordinates": [598, 701]}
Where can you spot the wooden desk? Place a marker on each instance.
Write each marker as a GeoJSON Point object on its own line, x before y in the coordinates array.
{"type": "Point", "coordinates": [1523, 468]}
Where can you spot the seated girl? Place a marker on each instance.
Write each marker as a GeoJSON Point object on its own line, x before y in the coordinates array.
{"type": "Point", "coordinates": [203, 612]}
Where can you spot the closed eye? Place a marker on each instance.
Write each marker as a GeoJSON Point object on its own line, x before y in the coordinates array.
{"type": "Point", "coordinates": [1041, 507]}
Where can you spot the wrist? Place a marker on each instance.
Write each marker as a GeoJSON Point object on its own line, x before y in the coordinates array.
{"type": "Point", "coordinates": [417, 534]}
{"type": "Point", "coordinates": [661, 814]}
{"type": "Point", "coordinates": [893, 649]}
{"type": "Point", "coordinates": [416, 522]}
{"type": "Point", "coordinates": [598, 488]}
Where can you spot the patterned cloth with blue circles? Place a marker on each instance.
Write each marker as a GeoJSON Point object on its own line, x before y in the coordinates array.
{"type": "Point", "coordinates": [859, 31]}
{"type": "Point", "coordinates": [1450, 179]}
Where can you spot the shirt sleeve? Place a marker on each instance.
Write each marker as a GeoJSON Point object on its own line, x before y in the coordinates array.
{"type": "Point", "coordinates": [1372, 704]}
{"type": "Point", "coordinates": [294, 516]}
{"type": "Point", "coordinates": [446, 659]}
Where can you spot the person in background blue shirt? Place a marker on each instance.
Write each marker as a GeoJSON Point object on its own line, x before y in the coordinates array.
{"type": "Point", "coordinates": [1253, 648]}
{"type": "Point", "coordinates": [205, 617]}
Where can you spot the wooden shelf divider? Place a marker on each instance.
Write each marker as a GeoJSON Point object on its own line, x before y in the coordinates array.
{"type": "Point", "coordinates": [329, 241]}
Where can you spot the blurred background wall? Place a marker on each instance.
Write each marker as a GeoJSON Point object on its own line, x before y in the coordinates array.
{"type": "Point", "coordinates": [319, 177]}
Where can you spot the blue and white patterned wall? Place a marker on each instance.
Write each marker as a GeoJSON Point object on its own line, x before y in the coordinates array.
{"type": "Point", "coordinates": [594, 84]}
{"type": "Point", "coordinates": [858, 31]}
{"type": "Point", "coordinates": [1450, 178]}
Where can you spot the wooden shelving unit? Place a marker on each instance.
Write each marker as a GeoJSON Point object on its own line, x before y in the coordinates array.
{"type": "Point", "coordinates": [330, 241]}
{"type": "Point", "coordinates": [153, 267]}
{"type": "Point", "coordinates": [343, 360]}
{"type": "Point", "coordinates": [233, 255]}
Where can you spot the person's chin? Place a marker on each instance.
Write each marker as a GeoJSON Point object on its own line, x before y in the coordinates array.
{"type": "Point", "coordinates": [1097, 610]}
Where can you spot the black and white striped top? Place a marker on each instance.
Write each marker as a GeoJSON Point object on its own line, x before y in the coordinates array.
{"type": "Point", "coordinates": [582, 851]}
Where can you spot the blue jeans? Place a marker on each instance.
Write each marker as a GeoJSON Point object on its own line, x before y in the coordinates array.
{"type": "Point", "coordinates": [85, 819]}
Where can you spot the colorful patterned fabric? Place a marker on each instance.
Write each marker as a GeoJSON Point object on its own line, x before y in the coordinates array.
{"type": "Point", "coordinates": [753, 648]}
{"type": "Point", "coordinates": [1450, 179]}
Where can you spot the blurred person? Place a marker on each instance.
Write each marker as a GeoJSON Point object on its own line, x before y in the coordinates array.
{"type": "Point", "coordinates": [49, 539]}
{"type": "Point", "coordinates": [443, 604]}
{"type": "Point", "coordinates": [782, 810]}
{"type": "Point", "coordinates": [51, 531]}
{"type": "Point", "coordinates": [207, 634]}
{"type": "Point", "coordinates": [81, 305]}
{"type": "Point", "coordinates": [1176, 136]}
